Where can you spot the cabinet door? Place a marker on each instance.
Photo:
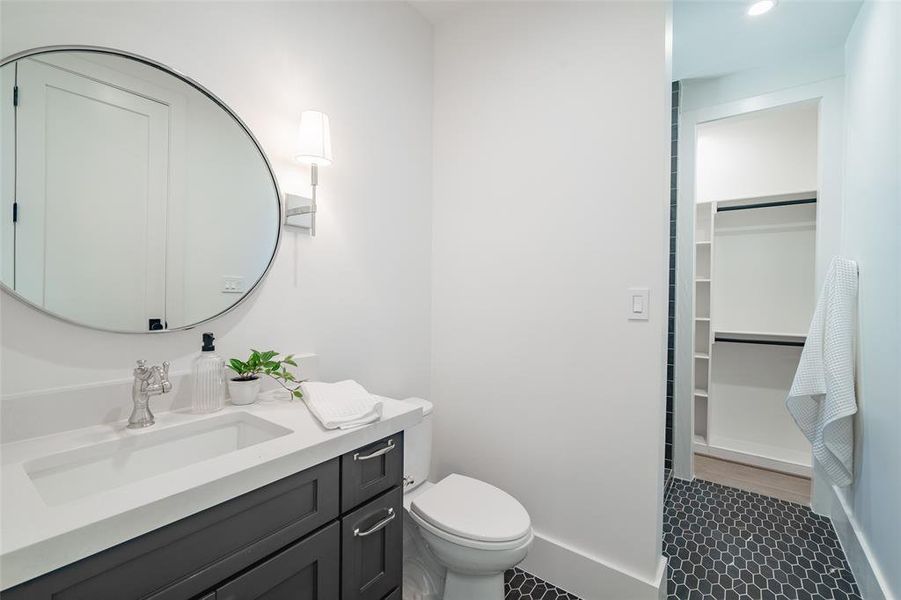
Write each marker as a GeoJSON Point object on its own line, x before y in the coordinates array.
{"type": "Point", "coordinates": [308, 570]}
{"type": "Point", "coordinates": [371, 470]}
{"type": "Point", "coordinates": [193, 555]}
{"type": "Point", "coordinates": [372, 548]}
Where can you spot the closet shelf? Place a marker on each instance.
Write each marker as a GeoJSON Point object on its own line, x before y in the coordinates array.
{"type": "Point", "coordinates": [760, 337]}
{"type": "Point", "coordinates": [702, 280]}
{"type": "Point", "coordinates": [702, 318]}
{"type": "Point", "coordinates": [701, 393]}
{"type": "Point", "coordinates": [804, 197]}
{"type": "Point", "coordinates": [702, 355]}
{"type": "Point", "coordinates": [703, 243]}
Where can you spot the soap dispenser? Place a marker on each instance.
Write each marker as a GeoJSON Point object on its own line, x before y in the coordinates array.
{"type": "Point", "coordinates": [209, 378]}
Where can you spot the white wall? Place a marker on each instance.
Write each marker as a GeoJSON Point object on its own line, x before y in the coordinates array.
{"type": "Point", "coordinates": [763, 272]}
{"type": "Point", "coordinates": [868, 510]}
{"type": "Point", "coordinates": [551, 188]}
{"type": "Point", "coordinates": [357, 294]}
{"type": "Point", "coordinates": [747, 418]}
{"type": "Point", "coordinates": [761, 154]}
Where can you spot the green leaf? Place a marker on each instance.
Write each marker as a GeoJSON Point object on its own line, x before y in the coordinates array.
{"type": "Point", "coordinates": [298, 394]}
{"type": "Point", "coordinates": [289, 360]}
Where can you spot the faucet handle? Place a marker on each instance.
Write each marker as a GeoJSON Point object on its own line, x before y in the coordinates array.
{"type": "Point", "coordinates": [141, 371]}
{"type": "Point", "coordinates": [164, 378]}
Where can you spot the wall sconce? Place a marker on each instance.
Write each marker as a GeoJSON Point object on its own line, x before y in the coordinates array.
{"type": "Point", "coordinates": [314, 147]}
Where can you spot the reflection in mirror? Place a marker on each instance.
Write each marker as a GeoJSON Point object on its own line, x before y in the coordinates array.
{"type": "Point", "coordinates": [139, 202]}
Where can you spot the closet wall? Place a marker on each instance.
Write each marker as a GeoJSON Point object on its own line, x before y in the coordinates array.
{"type": "Point", "coordinates": [754, 282]}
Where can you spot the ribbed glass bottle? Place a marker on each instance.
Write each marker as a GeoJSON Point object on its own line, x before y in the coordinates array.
{"type": "Point", "coordinates": [208, 393]}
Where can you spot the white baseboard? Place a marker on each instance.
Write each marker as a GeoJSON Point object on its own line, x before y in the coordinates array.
{"type": "Point", "coordinates": [756, 460]}
{"type": "Point", "coordinates": [872, 584]}
{"type": "Point", "coordinates": [589, 577]}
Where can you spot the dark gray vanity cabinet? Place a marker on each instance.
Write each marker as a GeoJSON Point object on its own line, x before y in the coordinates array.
{"type": "Point", "coordinates": [290, 540]}
{"type": "Point", "coordinates": [371, 470]}
{"type": "Point", "coordinates": [372, 548]}
{"type": "Point", "coordinates": [307, 570]}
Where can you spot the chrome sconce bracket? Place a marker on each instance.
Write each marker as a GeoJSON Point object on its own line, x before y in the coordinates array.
{"type": "Point", "coordinates": [300, 211]}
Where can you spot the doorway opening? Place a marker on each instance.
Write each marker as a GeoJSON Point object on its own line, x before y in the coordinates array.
{"type": "Point", "coordinates": [749, 293]}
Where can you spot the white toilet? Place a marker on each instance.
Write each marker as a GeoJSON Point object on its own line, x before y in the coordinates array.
{"type": "Point", "coordinates": [471, 529]}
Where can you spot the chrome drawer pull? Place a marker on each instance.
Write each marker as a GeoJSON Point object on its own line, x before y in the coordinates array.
{"type": "Point", "coordinates": [380, 525]}
{"type": "Point", "coordinates": [377, 453]}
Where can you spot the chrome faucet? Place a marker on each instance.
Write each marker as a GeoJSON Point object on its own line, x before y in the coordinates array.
{"type": "Point", "coordinates": [149, 381]}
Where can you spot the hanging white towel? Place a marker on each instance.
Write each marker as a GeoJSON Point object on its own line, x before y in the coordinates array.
{"type": "Point", "coordinates": [822, 398]}
{"type": "Point", "coordinates": [341, 405]}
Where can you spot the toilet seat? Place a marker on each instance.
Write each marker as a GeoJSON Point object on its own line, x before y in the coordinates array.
{"type": "Point", "coordinates": [472, 544]}
{"type": "Point", "coordinates": [473, 514]}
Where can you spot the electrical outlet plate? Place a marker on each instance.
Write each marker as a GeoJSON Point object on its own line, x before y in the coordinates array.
{"type": "Point", "coordinates": [232, 284]}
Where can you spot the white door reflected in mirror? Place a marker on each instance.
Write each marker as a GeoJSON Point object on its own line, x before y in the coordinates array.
{"type": "Point", "coordinates": [138, 199]}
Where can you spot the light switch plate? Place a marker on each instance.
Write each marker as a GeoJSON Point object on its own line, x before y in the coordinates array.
{"type": "Point", "coordinates": [638, 305]}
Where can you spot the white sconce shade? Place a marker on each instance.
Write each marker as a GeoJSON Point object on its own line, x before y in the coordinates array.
{"type": "Point", "coordinates": [314, 143]}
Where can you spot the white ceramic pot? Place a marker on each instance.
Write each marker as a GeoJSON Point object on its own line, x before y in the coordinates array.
{"type": "Point", "coordinates": [244, 391]}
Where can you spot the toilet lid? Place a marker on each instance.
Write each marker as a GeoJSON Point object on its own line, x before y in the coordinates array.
{"type": "Point", "coordinates": [472, 509]}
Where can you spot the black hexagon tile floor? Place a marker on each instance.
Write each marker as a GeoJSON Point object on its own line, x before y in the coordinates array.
{"type": "Point", "coordinates": [728, 544]}
{"type": "Point", "coordinates": [520, 585]}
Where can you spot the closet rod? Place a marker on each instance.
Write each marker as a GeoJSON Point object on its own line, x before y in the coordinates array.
{"type": "Point", "coordinates": [766, 342]}
{"type": "Point", "coordinates": [767, 204]}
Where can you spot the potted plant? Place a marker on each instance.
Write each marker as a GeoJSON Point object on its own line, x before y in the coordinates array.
{"type": "Point", "coordinates": [245, 385]}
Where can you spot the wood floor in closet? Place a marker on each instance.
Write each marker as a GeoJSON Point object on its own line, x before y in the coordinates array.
{"type": "Point", "coordinates": [790, 488]}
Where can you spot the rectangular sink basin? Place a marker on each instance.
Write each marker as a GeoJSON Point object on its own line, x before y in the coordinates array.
{"type": "Point", "coordinates": [67, 476]}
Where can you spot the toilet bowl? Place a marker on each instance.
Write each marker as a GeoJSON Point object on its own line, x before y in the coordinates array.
{"type": "Point", "coordinates": [472, 531]}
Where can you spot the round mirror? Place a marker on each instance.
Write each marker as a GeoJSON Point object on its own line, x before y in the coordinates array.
{"type": "Point", "coordinates": [133, 199]}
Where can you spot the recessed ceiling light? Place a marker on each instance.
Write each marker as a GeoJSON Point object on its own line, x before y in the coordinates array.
{"type": "Point", "coordinates": [758, 8]}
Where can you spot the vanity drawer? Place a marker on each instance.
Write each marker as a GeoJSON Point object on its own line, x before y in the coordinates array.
{"type": "Point", "coordinates": [372, 548]}
{"type": "Point", "coordinates": [194, 554]}
{"type": "Point", "coordinates": [371, 470]}
{"type": "Point", "coordinates": [308, 570]}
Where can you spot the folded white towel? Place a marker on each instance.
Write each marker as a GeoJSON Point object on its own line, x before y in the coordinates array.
{"type": "Point", "coordinates": [822, 398]}
{"type": "Point", "coordinates": [341, 405]}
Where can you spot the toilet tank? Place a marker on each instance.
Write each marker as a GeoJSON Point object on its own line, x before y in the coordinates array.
{"type": "Point", "coordinates": [418, 447]}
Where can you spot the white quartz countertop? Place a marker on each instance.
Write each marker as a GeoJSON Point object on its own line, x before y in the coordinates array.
{"type": "Point", "coordinates": [36, 538]}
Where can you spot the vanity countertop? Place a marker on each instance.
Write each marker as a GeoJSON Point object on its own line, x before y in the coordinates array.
{"type": "Point", "coordinates": [36, 538]}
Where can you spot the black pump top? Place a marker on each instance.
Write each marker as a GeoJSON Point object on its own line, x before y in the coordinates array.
{"type": "Point", "coordinates": [208, 343]}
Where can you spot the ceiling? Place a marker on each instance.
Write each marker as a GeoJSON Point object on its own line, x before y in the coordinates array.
{"type": "Point", "coordinates": [436, 11]}
{"type": "Point", "coordinates": [716, 37]}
